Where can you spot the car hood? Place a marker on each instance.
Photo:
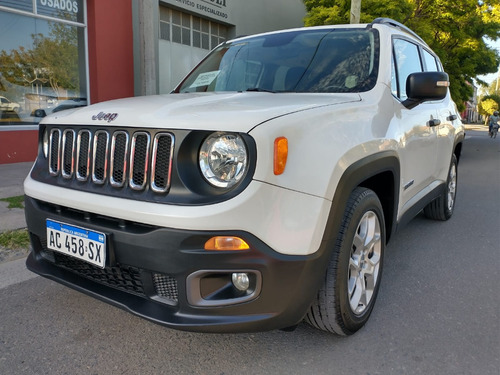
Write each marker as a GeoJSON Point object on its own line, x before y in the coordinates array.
{"type": "Point", "coordinates": [235, 111]}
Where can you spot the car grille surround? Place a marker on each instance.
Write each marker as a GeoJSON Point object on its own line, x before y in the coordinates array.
{"type": "Point", "coordinates": [139, 160]}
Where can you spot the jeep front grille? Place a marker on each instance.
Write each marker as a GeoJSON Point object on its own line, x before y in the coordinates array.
{"type": "Point", "coordinates": [120, 158]}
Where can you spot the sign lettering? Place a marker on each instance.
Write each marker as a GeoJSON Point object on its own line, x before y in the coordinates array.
{"type": "Point", "coordinates": [67, 5]}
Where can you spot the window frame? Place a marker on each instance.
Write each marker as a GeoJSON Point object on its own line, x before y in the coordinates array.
{"type": "Point", "coordinates": [421, 49]}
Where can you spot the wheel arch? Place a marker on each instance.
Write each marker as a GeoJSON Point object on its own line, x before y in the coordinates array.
{"type": "Point", "coordinates": [380, 173]}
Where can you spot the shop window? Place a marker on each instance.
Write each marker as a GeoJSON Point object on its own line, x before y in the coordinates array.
{"type": "Point", "coordinates": [42, 62]}
{"type": "Point", "coordinates": [190, 30]}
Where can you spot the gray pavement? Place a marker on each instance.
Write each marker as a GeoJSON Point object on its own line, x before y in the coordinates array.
{"type": "Point", "coordinates": [11, 185]}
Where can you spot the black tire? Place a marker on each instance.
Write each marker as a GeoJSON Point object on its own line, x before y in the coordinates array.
{"type": "Point", "coordinates": [442, 207]}
{"type": "Point", "coordinates": [355, 267]}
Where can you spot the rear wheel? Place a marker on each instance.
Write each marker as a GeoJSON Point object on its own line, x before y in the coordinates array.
{"type": "Point", "coordinates": [347, 296]}
{"type": "Point", "coordinates": [442, 207]}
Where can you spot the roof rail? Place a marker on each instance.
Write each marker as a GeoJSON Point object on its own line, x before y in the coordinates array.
{"type": "Point", "coordinates": [393, 23]}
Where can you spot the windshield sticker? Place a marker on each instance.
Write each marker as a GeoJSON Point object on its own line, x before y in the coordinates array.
{"type": "Point", "coordinates": [205, 79]}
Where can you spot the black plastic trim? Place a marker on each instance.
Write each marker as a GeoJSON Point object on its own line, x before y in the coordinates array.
{"type": "Point", "coordinates": [360, 174]}
{"type": "Point", "coordinates": [284, 291]}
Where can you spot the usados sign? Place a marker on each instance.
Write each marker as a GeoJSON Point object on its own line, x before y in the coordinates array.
{"type": "Point", "coordinates": [67, 5]}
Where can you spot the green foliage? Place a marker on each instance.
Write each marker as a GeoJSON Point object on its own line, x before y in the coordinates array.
{"type": "Point", "coordinates": [489, 104]}
{"type": "Point", "coordinates": [455, 30]}
{"type": "Point", "coordinates": [16, 239]}
{"type": "Point", "coordinates": [14, 202]}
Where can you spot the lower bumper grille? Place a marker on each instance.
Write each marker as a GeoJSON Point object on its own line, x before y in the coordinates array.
{"type": "Point", "coordinates": [124, 278]}
{"type": "Point", "coordinates": [166, 286]}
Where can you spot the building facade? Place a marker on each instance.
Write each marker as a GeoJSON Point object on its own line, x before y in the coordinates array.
{"type": "Point", "coordinates": [59, 54]}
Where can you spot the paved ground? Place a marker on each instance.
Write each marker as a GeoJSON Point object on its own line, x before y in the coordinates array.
{"type": "Point", "coordinates": [11, 185]}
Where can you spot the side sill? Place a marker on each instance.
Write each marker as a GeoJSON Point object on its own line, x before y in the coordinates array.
{"type": "Point", "coordinates": [420, 205]}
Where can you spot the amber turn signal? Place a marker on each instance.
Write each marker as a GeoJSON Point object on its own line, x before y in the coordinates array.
{"type": "Point", "coordinates": [280, 155]}
{"type": "Point", "coordinates": [226, 243]}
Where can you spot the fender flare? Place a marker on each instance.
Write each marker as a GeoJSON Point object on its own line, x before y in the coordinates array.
{"type": "Point", "coordinates": [364, 173]}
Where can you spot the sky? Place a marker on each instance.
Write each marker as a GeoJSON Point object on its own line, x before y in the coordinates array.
{"type": "Point", "coordinates": [491, 77]}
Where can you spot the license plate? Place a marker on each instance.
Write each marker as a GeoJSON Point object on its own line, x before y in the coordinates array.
{"type": "Point", "coordinates": [77, 242]}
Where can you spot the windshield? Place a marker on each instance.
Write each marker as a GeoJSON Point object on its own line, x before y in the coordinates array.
{"type": "Point", "coordinates": [319, 61]}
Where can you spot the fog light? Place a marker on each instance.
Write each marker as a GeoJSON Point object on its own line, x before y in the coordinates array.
{"type": "Point", "coordinates": [241, 281]}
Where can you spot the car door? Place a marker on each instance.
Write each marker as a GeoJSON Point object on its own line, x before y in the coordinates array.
{"type": "Point", "coordinates": [448, 117]}
{"type": "Point", "coordinates": [417, 134]}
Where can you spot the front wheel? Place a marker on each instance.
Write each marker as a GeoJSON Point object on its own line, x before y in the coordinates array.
{"type": "Point", "coordinates": [346, 298]}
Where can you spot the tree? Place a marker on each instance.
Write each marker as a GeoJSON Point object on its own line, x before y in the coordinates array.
{"type": "Point", "coordinates": [454, 29]}
{"type": "Point", "coordinates": [488, 105]}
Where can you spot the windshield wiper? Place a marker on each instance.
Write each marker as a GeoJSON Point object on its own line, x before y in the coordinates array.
{"type": "Point", "coordinates": [257, 89]}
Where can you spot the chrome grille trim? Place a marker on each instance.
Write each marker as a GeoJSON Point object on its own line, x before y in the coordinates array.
{"type": "Point", "coordinates": [83, 155]}
{"type": "Point", "coordinates": [54, 154]}
{"type": "Point", "coordinates": [67, 154]}
{"type": "Point", "coordinates": [118, 161]}
{"type": "Point", "coordinates": [100, 157]}
{"type": "Point", "coordinates": [139, 158]}
{"type": "Point", "coordinates": [161, 164]}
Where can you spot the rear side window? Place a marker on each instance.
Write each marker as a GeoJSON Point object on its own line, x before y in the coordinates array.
{"type": "Point", "coordinates": [431, 64]}
{"type": "Point", "coordinates": [406, 61]}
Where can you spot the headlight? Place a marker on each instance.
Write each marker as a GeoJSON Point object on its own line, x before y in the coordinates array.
{"type": "Point", "coordinates": [223, 159]}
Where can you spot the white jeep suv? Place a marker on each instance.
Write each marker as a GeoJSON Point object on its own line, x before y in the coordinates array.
{"type": "Point", "coordinates": [262, 191]}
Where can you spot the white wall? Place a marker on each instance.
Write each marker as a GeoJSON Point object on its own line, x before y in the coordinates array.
{"type": "Point", "coordinates": [175, 61]}
{"type": "Point", "coordinates": [256, 16]}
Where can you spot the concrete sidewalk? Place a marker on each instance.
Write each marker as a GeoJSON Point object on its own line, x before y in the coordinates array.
{"type": "Point", "coordinates": [11, 185]}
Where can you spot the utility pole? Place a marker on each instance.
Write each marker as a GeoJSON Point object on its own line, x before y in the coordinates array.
{"type": "Point", "coordinates": [355, 11]}
{"type": "Point", "coordinates": [498, 78]}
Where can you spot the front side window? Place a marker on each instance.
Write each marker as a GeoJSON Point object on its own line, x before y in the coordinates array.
{"type": "Point", "coordinates": [316, 61]}
{"type": "Point", "coordinates": [407, 61]}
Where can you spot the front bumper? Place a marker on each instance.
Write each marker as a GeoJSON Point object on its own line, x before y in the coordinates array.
{"type": "Point", "coordinates": [166, 276]}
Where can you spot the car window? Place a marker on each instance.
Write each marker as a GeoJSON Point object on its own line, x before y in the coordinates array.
{"type": "Point", "coordinates": [407, 61]}
{"type": "Point", "coordinates": [298, 61]}
{"type": "Point", "coordinates": [431, 64]}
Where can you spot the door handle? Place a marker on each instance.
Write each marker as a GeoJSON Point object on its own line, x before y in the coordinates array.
{"type": "Point", "coordinates": [434, 122]}
{"type": "Point", "coordinates": [451, 117]}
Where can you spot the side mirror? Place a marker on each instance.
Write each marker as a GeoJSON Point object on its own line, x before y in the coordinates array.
{"type": "Point", "coordinates": [40, 113]}
{"type": "Point", "coordinates": [426, 86]}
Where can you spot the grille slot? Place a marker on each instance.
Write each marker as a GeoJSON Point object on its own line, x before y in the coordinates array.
{"type": "Point", "coordinates": [119, 147]}
{"type": "Point", "coordinates": [55, 146]}
{"type": "Point", "coordinates": [101, 141]}
{"type": "Point", "coordinates": [162, 162]}
{"type": "Point", "coordinates": [83, 155]}
{"type": "Point", "coordinates": [121, 158]}
{"type": "Point", "coordinates": [166, 287]}
{"type": "Point", "coordinates": [68, 147]}
{"type": "Point", "coordinates": [139, 160]}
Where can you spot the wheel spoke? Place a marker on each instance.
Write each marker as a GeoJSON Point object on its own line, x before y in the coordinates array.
{"type": "Point", "coordinates": [452, 187]}
{"type": "Point", "coordinates": [364, 263]}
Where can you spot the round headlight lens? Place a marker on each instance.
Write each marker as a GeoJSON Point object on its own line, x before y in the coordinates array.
{"type": "Point", "coordinates": [223, 159]}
